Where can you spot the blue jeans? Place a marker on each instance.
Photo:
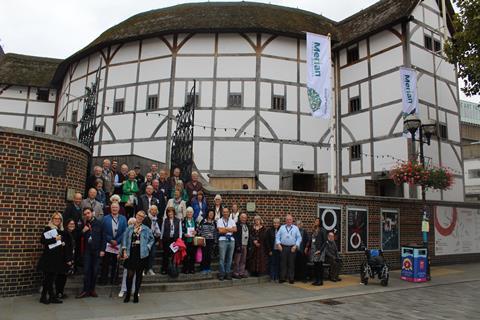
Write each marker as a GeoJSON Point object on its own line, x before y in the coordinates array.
{"type": "Point", "coordinates": [152, 256]}
{"type": "Point", "coordinates": [91, 261]}
{"type": "Point", "coordinates": [225, 250]}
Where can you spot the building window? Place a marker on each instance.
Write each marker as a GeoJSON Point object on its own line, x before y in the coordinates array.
{"type": "Point", "coordinates": [356, 152]}
{"type": "Point", "coordinates": [354, 105]}
{"type": "Point", "coordinates": [74, 116]}
{"type": "Point", "coordinates": [427, 40]}
{"type": "Point", "coordinates": [119, 106]}
{"type": "Point", "coordinates": [152, 103]}
{"type": "Point", "coordinates": [437, 46]}
{"type": "Point", "coordinates": [474, 174]}
{"type": "Point", "coordinates": [235, 100]}
{"type": "Point", "coordinates": [352, 54]}
{"type": "Point", "coordinates": [39, 128]}
{"type": "Point", "coordinates": [278, 103]}
{"type": "Point", "coordinates": [42, 94]}
{"type": "Point", "coordinates": [443, 131]}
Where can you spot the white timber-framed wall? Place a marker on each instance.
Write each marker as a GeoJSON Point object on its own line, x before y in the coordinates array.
{"type": "Point", "coordinates": [20, 108]}
{"type": "Point", "coordinates": [377, 127]}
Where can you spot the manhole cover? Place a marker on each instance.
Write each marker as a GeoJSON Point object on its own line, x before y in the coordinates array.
{"type": "Point", "coordinates": [330, 302]}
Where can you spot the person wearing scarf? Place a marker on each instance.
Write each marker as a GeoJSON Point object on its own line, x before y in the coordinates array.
{"type": "Point", "coordinates": [189, 228]}
{"type": "Point", "coordinates": [129, 195]}
{"type": "Point", "coordinates": [152, 222]}
{"type": "Point", "coordinates": [171, 231]}
{"type": "Point", "coordinates": [178, 204]}
{"type": "Point", "coordinates": [52, 261]}
{"type": "Point", "coordinates": [136, 245]}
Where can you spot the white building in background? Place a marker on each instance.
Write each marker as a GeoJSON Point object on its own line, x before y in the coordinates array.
{"type": "Point", "coordinates": [253, 118]}
{"type": "Point", "coordinates": [470, 134]}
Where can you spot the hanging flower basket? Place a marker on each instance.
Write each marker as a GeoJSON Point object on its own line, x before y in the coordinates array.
{"type": "Point", "coordinates": [439, 178]}
{"type": "Point", "coordinates": [414, 173]}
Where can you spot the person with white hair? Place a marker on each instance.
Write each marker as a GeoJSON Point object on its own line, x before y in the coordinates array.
{"type": "Point", "coordinates": [152, 221]}
{"type": "Point", "coordinates": [193, 186]}
{"type": "Point", "coordinates": [123, 289]}
{"type": "Point", "coordinates": [189, 227]}
{"type": "Point", "coordinates": [114, 198]}
{"type": "Point", "coordinates": [218, 207]}
{"type": "Point", "coordinates": [92, 203]}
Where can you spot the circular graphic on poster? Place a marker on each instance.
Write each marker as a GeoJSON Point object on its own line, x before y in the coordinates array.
{"type": "Point", "coordinates": [329, 219]}
{"type": "Point", "coordinates": [446, 230]}
{"type": "Point", "coordinates": [355, 240]}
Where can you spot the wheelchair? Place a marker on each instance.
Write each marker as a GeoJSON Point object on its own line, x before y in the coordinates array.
{"type": "Point", "coordinates": [374, 265]}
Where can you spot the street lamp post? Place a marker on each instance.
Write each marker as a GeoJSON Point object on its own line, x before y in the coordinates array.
{"type": "Point", "coordinates": [425, 131]}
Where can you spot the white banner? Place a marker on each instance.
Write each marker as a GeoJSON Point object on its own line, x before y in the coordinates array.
{"type": "Point", "coordinates": [409, 91]}
{"type": "Point", "coordinates": [319, 70]}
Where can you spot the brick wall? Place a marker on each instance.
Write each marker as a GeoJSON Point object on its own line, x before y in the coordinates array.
{"type": "Point", "coordinates": [28, 197]}
{"type": "Point", "coordinates": [303, 206]}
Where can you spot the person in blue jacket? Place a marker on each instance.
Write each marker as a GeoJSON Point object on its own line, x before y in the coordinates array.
{"type": "Point", "coordinates": [113, 227]}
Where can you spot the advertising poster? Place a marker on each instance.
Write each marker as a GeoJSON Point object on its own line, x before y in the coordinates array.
{"type": "Point", "coordinates": [390, 230]}
{"type": "Point", "coordinates": [357, 229]}
{"type": "Point", "coordinates": [331, 217]}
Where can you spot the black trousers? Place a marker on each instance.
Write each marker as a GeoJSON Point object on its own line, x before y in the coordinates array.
{"type": "Point", "coordinates": [287, 263]}
{"type": "Point", "coordinates": [109, 261]}
{"type": "Point", "coordinates": [300, 265]}
{"type": "Point", "coordinates": [207, 253]}
{"type": "Point", "coordinates": [318, 271]}
{"type": "Point", "coordinates": [189, 261]}
{"type": "Point", "coordinates": [138, 274]}
{"type": "Point", "coordinates": [47, 284]}
{"type": "Point", "coordinates": [167, 253]}
{"type": "Point", "coordinates": [335, 267]}
{"type": "Point", "coordinates": [60, 282]}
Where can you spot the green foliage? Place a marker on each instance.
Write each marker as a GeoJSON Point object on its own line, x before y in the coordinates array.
{"type": "Point", "coordinates": [464, 48]}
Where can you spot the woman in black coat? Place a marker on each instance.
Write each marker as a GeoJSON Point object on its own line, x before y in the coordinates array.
{"type": "Point", "coordinates": [52, 261]}
{"type": "Point", "coordinates": [68, 237]}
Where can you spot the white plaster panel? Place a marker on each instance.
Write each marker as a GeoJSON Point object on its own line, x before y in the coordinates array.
{"type": "Point", "coordinates": [49, 126]}
{"type": "Point", "coordinates": [323, 160]}
{"type": "Point", "coordinates": [431, 19]}
{"type": "Point", "coordinates": [152, 89]}
{"type": "Point", "coordinates": [231, 119]}
{"type": "Point", "coordinates": [362, 49]}
{"type": "Point", "coordinates": [453, 127]}
{"type": "Point", "coordinates": [345, 136]}
{"type": "Point", "coordinates": [95, 61]}
{"type": "Point", "coordinates": [355, 186]}
{"type": "Point", "coordinates": [343, 57]}
{"type": "Point", "coordinates": [278, 89]}
{"type": "Point", "coordinates": [382, 40]}
{"type": "Point", "coordinates": [206, 93]}
{"type": "Point", "coordinates": [387, 60]}
{"type": "Point", "coordinates": [426, 88]}
{"type": "Point", "coordinates": [269, 156]}
{"type": "Point", "coordinates": [164, 95]}
{"type": "Point", "coordinates": [265, 132]}
{"type": "Point", "coordinates": [386, 88]}
{"type": "Point", "coordinates": [432, 4]}
{"type": "Point", "coordinates": [344, 101]}
{"type": "Point", "coordinates": [179, 94]}
{"type": "Point", "coordinates": [366, 160]}
{"type": "Point", "coordinates": [222, 94]}
{"type": "Point", "coordinates": [352, 122]}
{"type": "Point", "coordinates": [432, 194]}
{"type": "Point", "coordinates": [395, 147]}
{"type": "Point", "coordinates": [354, 91]}
{"type": "Point", "coordinates": [449, 158]}
{"type": "Point", "coordinates": [155, 69]}
{"type": "Point", "coordinates": [249, 94]}
{"type": "Point", "coordinates": [199, 43]}
{"type": "Point", "coordinates": [356, 166]}
{"type": "Point", "coordinates": [294, 155]}
{"type": "Point", "coordinates": [384, 119]}
{"type": "Point", "coordinates": [154, 47]}
{"type": "Point", "coordinates": [236, 67]}
{"type": "Point", "coordinates": [14, 106]}
{"type": "Point", "coordinates": [231, 155]}
{"type": "Point", "coordinates": [145, 125]}
{"type": "Point", "coordinates": [277, 121]}
{"type": "Point", "coordinates": [271, 182]}
{"type": "Point", "coordinates": [115, 149]}
{"type": "Point", "coordinates": [364, 96]}
{"type": "Point", "coordinates": [345, 159]}
{"type": "Point", "coordinates": [421, 58]}
{"type": "Point", "coordinates": [312, 129]}
{"type": "Point", "coordinates": [446, 70]}
{"type": "Point", "coordinates": [235, 86]}
{"type": "Point", "coordinates": [303, 73]}
{"type": "Point", "coordinates": [120, 93]}
{"type": "Point", "coordinates": [445, 97]}
{"type": "Point", "coordinates": [129, 96]}
{"type": "Point", "coordinates": [304, 103]}
{"type": "Point", "coordinates": [123, 74]}
{"type": "Point", "coordinates": [41, 108]}
{"type": "Point", "coordinates": [266, 95]}
{"type": "Point", "coordinates": [277, 69]}
{"type": "Point", "coordinates": [154, 150]}
{"type": "Point", "coordinates": [201, 154]}
{"type": "Point", "coordinates": [81, 69]}
{"type": "Point", "coordinates": [283, 47]}
{"type": "Point", "coordinates": [416, 35]}
{"type": "Point", "coordinates": [354, 73]}
{"type": "Point", "coordinates": [121, 125]}
{"type": "Point", "coordinates": [128, 52]}
{"type": "Point", "coordinates": [303, 50]}
{"type": "Point", "coordinates": [77, 89]}
{"type": "Point", "coordinates": [109, 101]}
{"type": "Point", "coordinates": [141, 97]}
{"type": "Point", "coordinates": [233, 43]}
{"type": "Point", "coordinates": [12, 121]}
{"type": "Point", "coordinates": [291, 98]}
{"type": "Point", "coordinates": [203, 118]}
{"type": "Point", "coordinates": [15, 92]}
{"type": "Point", "coordinates": [456, 192]}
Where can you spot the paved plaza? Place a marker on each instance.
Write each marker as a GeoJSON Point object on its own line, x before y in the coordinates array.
{"type": "Point", "coordinates": [452, 294]}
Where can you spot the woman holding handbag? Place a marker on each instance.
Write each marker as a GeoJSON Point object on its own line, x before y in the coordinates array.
{"type": "Point", "coordinates": [189, 227]}
{"type": "Point", "coordinates": [129, 196]}
{"type": "Point", "coordinates": [208, 230]}
{"type": "Point", "coordinates": [137, 241]}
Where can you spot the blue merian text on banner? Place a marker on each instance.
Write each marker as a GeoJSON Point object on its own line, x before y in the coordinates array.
{"type": "Point", "coordinates": [408, 79]}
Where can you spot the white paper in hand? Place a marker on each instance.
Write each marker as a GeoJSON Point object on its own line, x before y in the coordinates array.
{"type": "Point", "coordinates": [173, 247]}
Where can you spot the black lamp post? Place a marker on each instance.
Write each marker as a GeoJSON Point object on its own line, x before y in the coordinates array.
{"type": "Point", "coordinates": [412, 123]}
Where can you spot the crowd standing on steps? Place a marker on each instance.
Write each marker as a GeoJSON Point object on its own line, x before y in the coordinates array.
{"type": "Point", "coordinates": [92, 236]}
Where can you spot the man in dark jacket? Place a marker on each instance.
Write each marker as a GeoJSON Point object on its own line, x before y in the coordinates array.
{"type": "Point", "coordinates": [333, 257]}
{"type": "Point", "coordinates": [301, 259]}
{"type": "Point", "coordinates": [73, 211]}
{"type": "Point", "coordinates": [92, 180]}
{"type": "Point", "coordinates": [158, 193]}
{"type": "Point", "coordinates": [148, 199]}
{"type": "Point", "coordinates": [242, 244]}
{"type": "Point", "coordinates": [92, 244]}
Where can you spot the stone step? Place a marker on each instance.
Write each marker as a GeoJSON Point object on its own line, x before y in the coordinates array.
{"type": "Point", "coordinates": [158, 278]}
{"type": "Point", "coordinates": [72, 289]}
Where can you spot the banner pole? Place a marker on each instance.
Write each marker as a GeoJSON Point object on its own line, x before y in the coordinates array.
{"type": "Point", "coordinates": [333, 160]}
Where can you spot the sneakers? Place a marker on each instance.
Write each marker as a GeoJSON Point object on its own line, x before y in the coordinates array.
{"type": "Point", "coordinates": [151, 273]}
{"type": "Point", "coordinates": [121, 294]}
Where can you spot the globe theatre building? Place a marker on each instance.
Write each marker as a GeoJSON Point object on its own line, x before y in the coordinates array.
{"type": "Point", "coordinates": [253, 121]}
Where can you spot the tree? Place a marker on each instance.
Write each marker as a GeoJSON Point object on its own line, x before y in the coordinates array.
{"type": "Point", "coordinates": [464, 47]}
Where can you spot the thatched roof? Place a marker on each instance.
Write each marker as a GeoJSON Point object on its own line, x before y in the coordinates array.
{"type": "Point", "coordinates": [17, 69]}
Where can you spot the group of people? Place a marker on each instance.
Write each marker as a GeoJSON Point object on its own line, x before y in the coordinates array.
{"type": "Point", "coordinates": [125, 216]}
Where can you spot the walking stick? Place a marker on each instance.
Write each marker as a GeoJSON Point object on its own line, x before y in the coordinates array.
{"type": "Point", "coordinates": [115, 279]}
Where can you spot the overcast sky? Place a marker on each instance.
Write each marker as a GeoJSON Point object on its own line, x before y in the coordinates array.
{"type": "Point", "coordinates": [59, 28]}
